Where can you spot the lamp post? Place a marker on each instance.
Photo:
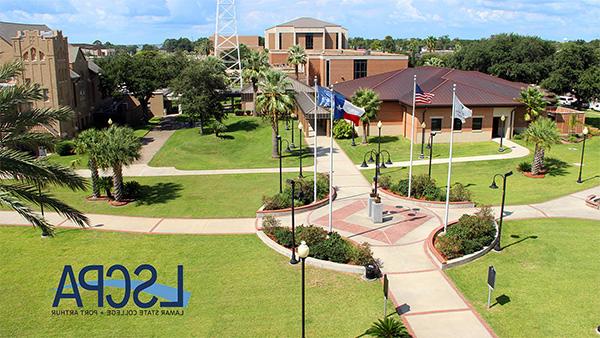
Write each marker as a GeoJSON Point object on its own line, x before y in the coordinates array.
{"type": "Point", "coordinates": [379, 125]}
{"type": "Point", "coordinates": [292, 145]}
{"type": "Point", "coordinates": [423, 126]}
{"type": "Point", "coordinates": [300, 128]}
{"type": "Point", "coordinates": [431, 135]}
{"type": "Point", "coordinates": [379, 163]}
{"type": "Point", "coordinates": [39, 186]}
{"type": "Point", "coordinates": [494, 186]}
{"type": "Point", "coordinates": [585, 133]}
{"type": "Point", "coordinates": [280, 141]}
{"type": "Point", "coordinates": [293, 260]}
{"type": "Point", "coordinates": [503, 119]}
{"type": "Point", "coordinates": [353, 132]}
{"type": "Point", "coordinates": [303, 251]}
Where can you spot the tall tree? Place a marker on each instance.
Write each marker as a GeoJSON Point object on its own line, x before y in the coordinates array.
{"type": "Point", "coordinates": [388, 44]}
{"type": "Point", "coordinates": [568, 65]}
{"type": "Point", "coordinates": [430, 43]}
{"type": "Point", "coordinates": [296, 57]}
{"type": "Point", "coordinates": [367, 99]}
{"type": "Point", "coordinates": [274, 102]}
{"type": "Point", "coordinates": [542, 133]}
{"type": "Point", "coordinates": [588, 86]}
{"type": "Point", "coordinates": [253, 69]}
{"type": "Point", "coordinates": [90, 142]}
{"type": "Point", "coordinates": [534, 102]}
{"type": "Point", "coordinates": [121, 148]}
{"type": "Point", "coordinates": [21, 175]}
{"type": "Point", "coordinates": [203, 46]}
{"type": "Point", "coordinates": [200, 86]}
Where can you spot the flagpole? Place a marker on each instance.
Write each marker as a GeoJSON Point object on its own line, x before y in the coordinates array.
{"type": "Point", "coordinates": [315, 144]}
{"type": "Point", "coordinates": [450, 158]}
{"type": "Point", "coordinates": [331, 161]}
{"type": "Point", "coordinates": [412, 134]}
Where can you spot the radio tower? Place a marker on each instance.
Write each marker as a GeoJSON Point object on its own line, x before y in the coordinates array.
{"type": "Point", "coordinates": [227, 43]}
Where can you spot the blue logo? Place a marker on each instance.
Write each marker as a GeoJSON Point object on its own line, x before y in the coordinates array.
{"type": "Point", "coordinates": [69, 287]}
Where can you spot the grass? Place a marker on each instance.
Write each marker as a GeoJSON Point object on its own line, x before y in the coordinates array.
{"type": "Point", "coordinates": [210, 196]}
{"type": "Point", "coordinates": [399, 148]}
{"type": "Point", "coordinates": [592, 118]}
{"type": "Point", "coordinates": [238, 286]}
{"type": "Point", "coordinates": [547, 282]}
{"type": "Point", "coordinates": [477, 176]}
{"type": "Point", "coordinates": [246, 144]}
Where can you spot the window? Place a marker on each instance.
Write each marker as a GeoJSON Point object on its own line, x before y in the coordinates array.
{"type": "Point", "coordinates": [33, 53]}
{"type": "Point", "coordinates": [45, 95]}
{"type": "Point", "coordinates": [337, 40]}
{"type": "Point", "coordinates": [360, 69]}
{"type": "Point", "coordinates": [477, 123]}
{"type": "Point", "coordinates": [42, 56]}
{"type": "Point", "coordinates": [309, 41]}
{"type": "Point", "coordinates": [327, 73]}
{"type": "Point", "coordinates": [26, 56]}
{"type": "Point", "coordinates": [457, 124]}
{"type": "Point", "coordinates": [436, 124]}
{"type": "Point", "coordinates": [280, 41]}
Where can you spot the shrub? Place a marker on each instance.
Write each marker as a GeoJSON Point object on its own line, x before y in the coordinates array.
{"type": "Point", "coordinates": [303, 193]}
{"type": "Point", "coordinates": [218, 128]}
{"type": "Point", "coordinates": [385, 182]}
{"type": "Point", "coordinates": [312, 235]}
{"type": "Point", "coordinates": [362, 254]}
{"type": "Point", "coordinates": [277, 201]}
{"type": "Point", "coordinates": [270, 222]}
{"type": "Point", "coordinates": [470, 234]}
{"type": "Point", "coordinates": [524, 167]}
{"type": "Point", "coordinates": [65, 148]}
{"type": "Point", "coordinates": [342, 129]}
{"type": "Point", "coordinates": [106, 184]}
{"type": "Point", "coordinates": [132, 189]}
{"type": "Point", "coordinates": [334, 249]}
{"type": "Point", "coordinates": [424, 187]}
{"type": "Point", "coordinates": [459, 193]}
{"type": "Point", "coordinates": [281, 235]}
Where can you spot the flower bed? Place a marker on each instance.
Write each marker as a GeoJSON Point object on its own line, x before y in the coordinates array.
{"type": "Point", "coordinates": [262, 212]}
{"type": "Point", "coordinates": [425, 189]}
{"type": "Point", "coordinates": [471, 234]}
{"type": "Point", "coordinates": [303, 195]}
{"type": "Point", "coordinates": [330, 247]}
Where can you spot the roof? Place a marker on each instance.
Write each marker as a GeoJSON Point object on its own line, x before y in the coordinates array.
{"type": "Point", "coordinates": [306, 22]}
{"type": "Point", "coordinates": [473, 88]}
{"type": "Point", "coordinates": [94, 67]}
{"type": "Point", "coordinates": [305, 98]}
{"type": "Point", "coordinates": [73, 51]}
{"type": "Point", "coordinates": [9, 30]}
{"type": "Point", "coordinates": [74, 75]}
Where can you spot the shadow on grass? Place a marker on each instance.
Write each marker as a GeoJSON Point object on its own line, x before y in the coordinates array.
{"type": "Point", "coordinates": [384, 139]}
{"type": "Point", "coordinates": [242, 125]}
{"type": "Point", "coordinates": [556, 167]}
{"type": "Point", "coordinates": [501, 300]}
{"type": "Point", "coordinates": [159, 193]}
{"type": "Point", "coordinates": [519, 241]}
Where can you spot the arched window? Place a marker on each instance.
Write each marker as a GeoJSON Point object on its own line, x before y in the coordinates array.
{"type": "Point", "coordinates": [42, 56]}
{"type": "Point", "coordinates": [33, 53]}
{"type": "Point", "coordinates": [26, 56]}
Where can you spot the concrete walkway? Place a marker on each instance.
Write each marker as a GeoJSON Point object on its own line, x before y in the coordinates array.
{"type": "Point", "coordinates": [517, 151]}
{"type": "Point", "coordinates": [151, 144]}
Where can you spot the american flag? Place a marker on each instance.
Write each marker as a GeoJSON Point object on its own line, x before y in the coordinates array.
{"type": "Point", "coordinates": [422, 97]}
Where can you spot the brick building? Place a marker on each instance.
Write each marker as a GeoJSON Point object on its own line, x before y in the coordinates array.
{"type": "Point", "coordinates": [489, 97]}
{"type": "Point", "coordinates": [66, 76]}
{"type": "Point", "coordinates": [328, 56]}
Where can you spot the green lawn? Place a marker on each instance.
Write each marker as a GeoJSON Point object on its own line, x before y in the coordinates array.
{"type": "Point", "coordinates": [210, 196]}
{"type": "Point", "coordinates": [238, 286]}
{"type": "Point", "coordinates": [547, 282]}
{"type": "Point", "coordinates": [521, 190]}
{"type": "Point", "coordinates": [246, 144]}
{"type": "Point", "coordinates": [592, 118]}
{"type": "Point", "coordinates": [399, 148]}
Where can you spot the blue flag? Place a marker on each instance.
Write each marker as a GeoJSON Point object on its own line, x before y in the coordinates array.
{"type": "Point", "coordinates": [323, 97]}
{"type": "Point", "coordinates": [338, 111]}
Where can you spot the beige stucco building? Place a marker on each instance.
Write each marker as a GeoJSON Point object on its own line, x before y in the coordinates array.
{"type": "Point", "coordinates": [67, 78]}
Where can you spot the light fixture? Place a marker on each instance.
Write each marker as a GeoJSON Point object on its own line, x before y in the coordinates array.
{"type": "Point", "coordinates": [379, 124]}
{"type": "Point", "coordinates": [586, 131]}
{"type": "Point", "coordinates": [503, 118]}
{"type": "Point", "coordinates": [303, 250]}
{"type": "Point", "coordinates": [423, 125]}
{"type": "Point", "coordinates": [300, 126]}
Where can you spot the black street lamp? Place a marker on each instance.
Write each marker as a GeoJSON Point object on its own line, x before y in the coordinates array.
{"type": "Point", "coordinates": [585, 133]}
{"type": "Point", "coordinates": [353, 132]}
{"type": "Point", "coordinates": [430, 146]}
{"type": "Point", "coordinates": [423, 126]}
{"type": "Point", "coordinates": [303, 251]}
{"type": "Point", "coordinates": [503, 119]}
{"type": "Point", "coordinates": [39, 186]}
{"type": "Point", "coordinates": [280, 141]}
{"type": "Point", "coordinates": [292, 145]}
{"type": "Point", "coordinates": [494, 186]}
{"type": "Point", "coordinates": [379, 163]}
{"type": "Point", "coordinates": [293, 260]}
{"type": "Point", "coordinates": [379, 125]}
{"type": "Point", "coordinates": [300, 128]}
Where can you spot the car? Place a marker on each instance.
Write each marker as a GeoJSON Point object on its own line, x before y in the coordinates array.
{"type": "Point", "coordinates": [595, 105]}
{"type": "Point", "coordinates": [566, 100]}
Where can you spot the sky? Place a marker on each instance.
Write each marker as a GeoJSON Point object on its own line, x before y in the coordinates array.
{"type": "Point", "coordinates": [152, 21]}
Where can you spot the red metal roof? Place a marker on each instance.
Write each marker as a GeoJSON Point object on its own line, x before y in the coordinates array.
{"type": "Point", "coordinates": [472, 88]}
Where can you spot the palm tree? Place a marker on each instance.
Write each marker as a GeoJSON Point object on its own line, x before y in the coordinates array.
{"type": "Point", "coordinates": [543, 133]}
{"type": "Point", "coordinates": [434, 62]}
{"type": "Point", "coordinates": [534, 102]}
{"type": "Point", "coordinates": [255, 65]}
{"type": "Point", "coordinates": [274, 101]}
{"type": "Point", "coordinates": [90, 142]}
{"type": "Point", "coordinates": [430, 42]}
{"type": "Point", "coordinates": [22, 176]}
{"type": "Point", "coordinates": [296, 56]}
{"type": "Point", "coordinates": [121, 148]}
{"type": "Point", "coordinates": [369, 100]}
{"type": "Point", "coordinates": [389, 327]}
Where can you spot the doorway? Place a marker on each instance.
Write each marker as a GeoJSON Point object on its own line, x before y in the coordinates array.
{"type": "Point", "coordinates": [496, 127]}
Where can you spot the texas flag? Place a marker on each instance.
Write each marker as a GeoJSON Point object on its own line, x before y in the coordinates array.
{"type": "Point", "coordinates": [345, 109]}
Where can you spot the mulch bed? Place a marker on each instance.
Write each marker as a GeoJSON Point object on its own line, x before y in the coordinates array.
{"type": "Point", "coordinates": [530, 175]}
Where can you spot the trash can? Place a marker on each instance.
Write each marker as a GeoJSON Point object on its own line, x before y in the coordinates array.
{"type": "Point", "coordinates": [372, 271]}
